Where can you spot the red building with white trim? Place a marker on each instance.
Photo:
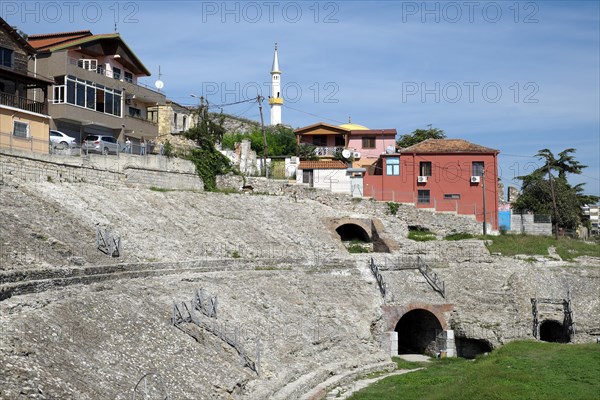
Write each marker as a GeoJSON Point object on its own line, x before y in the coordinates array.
{"type": "Point", "coordinates": [445, 175]}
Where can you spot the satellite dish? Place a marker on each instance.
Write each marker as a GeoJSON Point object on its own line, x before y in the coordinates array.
{"type": "Point", "coordinates": [346, 153]}
{"type": "Point", "coordinates": [159, 84]}
{"type": "Point", "coordinates": [390, 149]}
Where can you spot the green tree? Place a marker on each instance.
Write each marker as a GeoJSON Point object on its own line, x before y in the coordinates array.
{"type": "Point", "coordinates": [565, 163]}
{"type": "Point", "coordinates": [541, 190]}
{"type": "Point", "coordinates": [420, 135]}
{"type": "Point", "coordinates": [208, 160]}
{"type": "Point", "coordinates": [281, 141]}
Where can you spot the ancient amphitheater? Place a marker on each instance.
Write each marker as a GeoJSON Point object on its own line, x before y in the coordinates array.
{"type": "Point", "coordinates": [269, 304]}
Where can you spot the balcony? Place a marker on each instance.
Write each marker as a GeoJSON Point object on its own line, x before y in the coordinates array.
{"type": "Point", "coordinates": [23, 103]}
{"type": "Point", "coordinates": [327, 151]}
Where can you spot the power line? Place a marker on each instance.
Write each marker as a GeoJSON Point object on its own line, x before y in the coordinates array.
{"type": "Point", "coordinates": [314, 115]}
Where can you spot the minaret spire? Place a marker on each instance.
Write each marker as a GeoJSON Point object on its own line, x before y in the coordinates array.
{"type": "Point", "coordinates": [276, 98]}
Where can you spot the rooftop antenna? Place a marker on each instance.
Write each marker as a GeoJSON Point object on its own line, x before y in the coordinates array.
{"type": "Point", "coordinates": [159, 84]}
{"type": "Point", "coordinates": [429, 126]}
{"type": "Point", "coordinates": [115, 27]}
{"type": "Point", "coordinates": [349, 120]}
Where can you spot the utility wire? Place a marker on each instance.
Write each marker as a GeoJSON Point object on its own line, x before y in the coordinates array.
{"type": "Point", "coordinates": [314, 115]}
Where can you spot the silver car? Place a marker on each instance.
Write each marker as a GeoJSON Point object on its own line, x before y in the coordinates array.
{"type": "Point", "coordinates": [102, 144]}
{"type": "Point", "coordinates": [57, 138]}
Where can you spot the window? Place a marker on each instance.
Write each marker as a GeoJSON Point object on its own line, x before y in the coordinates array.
{"type": "Point", "coordinates": [117, 73]}
{"type": "Point", "coordinates": [340, 141]}
{"type": "Point", "coordinates": [59, 94]}
{"type": "Point", "coordinates": [152, 115]}
{"type": "Point", "coordinates": [135, 112]}
{"type": "Point", "coordinates": [368, 142]}
{"type": "Point", "coordinates": [184, 123]}
{"type": "Point", "coordinates": [452, 196]}
{"type": "Point", "coordinates": [20, 129]}
{"type": "Point", "coordinates": [128, 77]}
{"type": "Point", "coordinates": [320, 140]}
{"type": "Point", "coordinates": [6, 57]}
{"type": "Point", "coordinates": [425, 168]}
{"type": "Point", "coordinates": [423, 196]}
{"type": "Point", "coordinates": [477, 168]}
{"type": "Point", "coordinates": [90, 65]}
{"type": "Point", "coordinates": [392, 166]}
{"type": "Point", "coordinates": [175, 120]}
{"type": "Point", "coordinates": [90, 95]}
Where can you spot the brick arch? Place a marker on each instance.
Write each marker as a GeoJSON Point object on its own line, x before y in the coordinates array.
{"type": "Point", "coordinates": [393, 314]}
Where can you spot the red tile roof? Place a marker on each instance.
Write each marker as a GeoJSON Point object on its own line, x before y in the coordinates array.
{"type": "Point", "coordinates": [46, 40]}
{"type": "Point", "coordinates": [447, 146]}
{"type": "Point", "coordinates": [322, 164]}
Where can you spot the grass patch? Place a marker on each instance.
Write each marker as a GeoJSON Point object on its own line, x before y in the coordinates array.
{"type": "Point", "coordinates": [525, 370]}
{"type": "Point", "coordinates": [159, 189]}
{"type": "Point", "coordinates": [458, 236]}
{"type": "Point", "coordinates": [567, 248]}
{"type": "Point", "coordinates": [357, 248]}
{"type": "Point", "coordinates": [420, 234]}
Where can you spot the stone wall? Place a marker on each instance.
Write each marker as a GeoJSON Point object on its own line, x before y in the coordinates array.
{"type": "Point", "coordinates": [440, 223]}
{"type": "Point", "coordinates": [106, 171]}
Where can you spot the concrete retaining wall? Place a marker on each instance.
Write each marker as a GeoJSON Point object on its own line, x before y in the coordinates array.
{"type": "Point", "coordinates": [107, 171]}
{"type": "Point", "coordinates": [524, 223]}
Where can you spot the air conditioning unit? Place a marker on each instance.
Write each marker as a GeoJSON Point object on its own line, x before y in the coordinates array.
{"type": "Point", "coordinates": [422, 179]}
{"type": "Point", "coordinates": [475, 179]}
{"type": "Point", "coordinates": [356, 154]}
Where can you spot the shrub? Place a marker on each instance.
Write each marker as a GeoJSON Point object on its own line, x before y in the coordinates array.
{"type": "Point", "coordinates": [393, 207]}
{"type": "Point", "coordinates": [420, 234]}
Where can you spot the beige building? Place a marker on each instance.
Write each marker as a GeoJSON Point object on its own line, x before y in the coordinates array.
{"type": "Point", "coordinates": [24, 121]}
{"type": "Point", "coordinates": [172, 118]}
{"type": "Point", "coordinates": [96, 88]}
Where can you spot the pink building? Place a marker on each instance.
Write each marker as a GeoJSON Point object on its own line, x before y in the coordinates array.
{"type": "Point", "coordinates": [365, 145]}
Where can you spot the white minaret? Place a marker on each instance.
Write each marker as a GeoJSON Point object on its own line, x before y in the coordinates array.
{"type": "Point", "coordinates": [276, 99]}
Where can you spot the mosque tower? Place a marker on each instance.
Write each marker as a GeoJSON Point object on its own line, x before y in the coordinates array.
{"type": "Point", "coordinates": [276, 99]}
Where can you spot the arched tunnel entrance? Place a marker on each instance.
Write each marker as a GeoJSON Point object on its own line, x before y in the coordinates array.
{"type": "Point", "coordinates": [471, 348]}
{"type": "Point", "coordinates": [553, 331]}
{"type": "Point", "coordinates": [417, 332]}
{"type": "Point", "coordinates": [352, 232]}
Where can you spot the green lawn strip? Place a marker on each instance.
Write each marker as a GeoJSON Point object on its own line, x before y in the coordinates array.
{"type": "Point", "coordinates": [567, 248]}
{"type": "Point", "coordinates": [520, 370]}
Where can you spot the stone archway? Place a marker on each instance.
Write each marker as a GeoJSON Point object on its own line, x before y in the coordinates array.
{"type": "Point", "coordinates": [351, 232]}
{"type": "Point", "coordinates": [417, 331]}
{"type": "Point", "coordinates": [553, 331]}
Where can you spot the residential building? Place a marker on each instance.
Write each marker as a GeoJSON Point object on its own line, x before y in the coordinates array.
{"type": "Point", "coordinates": [172, 118]}
{"type": "Point", "coordinates": [593, 212]}
{"type": "Point", "coordinates": [447, 175]}
{"type": "Point", "coordinates": [365, 145]}
{"type": "Point", "coordinates": [24, 120]}
{"type": "Point", "coordinates": [96, 88]}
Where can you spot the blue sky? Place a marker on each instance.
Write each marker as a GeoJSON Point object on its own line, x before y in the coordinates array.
{"type": "Point", "coordinates": [515, 76]}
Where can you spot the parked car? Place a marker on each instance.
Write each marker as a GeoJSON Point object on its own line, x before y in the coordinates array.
{"type": "Point", "coordinates": [57, 138]}
{"type": "Point", "coordinates": [102, 144]}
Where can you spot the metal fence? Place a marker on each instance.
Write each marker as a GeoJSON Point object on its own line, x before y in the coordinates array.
{"type": "Point", "coordinates": [11, 142]}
